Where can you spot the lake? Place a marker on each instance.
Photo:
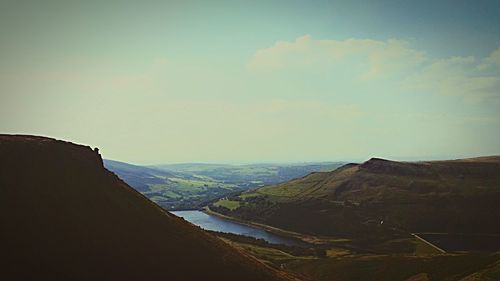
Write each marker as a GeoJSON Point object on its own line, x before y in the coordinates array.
{"type": "Point", "coordinates": [215, 223]}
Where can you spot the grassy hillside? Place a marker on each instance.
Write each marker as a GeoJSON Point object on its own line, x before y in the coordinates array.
{"type": "Point", "coordinates": [190, 186]}
{"type": "Point", "coordinates": [65, 217]}
{"type": "Point", "coordinates": [381, 200]}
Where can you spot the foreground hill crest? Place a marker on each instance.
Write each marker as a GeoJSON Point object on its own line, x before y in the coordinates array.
{"type": "Point", "coordinates": [65, 217]}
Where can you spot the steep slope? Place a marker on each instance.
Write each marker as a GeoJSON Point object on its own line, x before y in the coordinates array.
{"type": "Point", "coordinates": [382, 199]}
{"type": "Point", "coordinates": [64, 217]}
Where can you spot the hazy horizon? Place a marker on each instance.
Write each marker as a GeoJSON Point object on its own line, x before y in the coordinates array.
{"type": "Point", "coordinates": [270, 162]}
{"type": "Point", "coordinates": [254, 82]}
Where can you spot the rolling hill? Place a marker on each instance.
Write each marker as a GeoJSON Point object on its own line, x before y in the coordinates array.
{"type": "Point", "coordinates": [251, 175]}
{"type": "Point", "coordinates": [139, 177]}
{"type": "Point", "coordinates": [63, 216]}
{"type": "Point", "coordinates": [381, 200]}
{"type": "Point", "coordinates": [192, 186]}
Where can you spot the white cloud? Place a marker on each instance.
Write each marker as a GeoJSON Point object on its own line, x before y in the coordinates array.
{"type": "Point", "coordinates": [376, 57]}
{"type": "Point", "coordinates": [456, 76]}
{"type": "Point", "coordinates": [392, 61]}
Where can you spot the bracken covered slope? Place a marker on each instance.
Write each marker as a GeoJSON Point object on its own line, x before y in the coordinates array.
{"type": "Point", "coordinates": [63, 216]}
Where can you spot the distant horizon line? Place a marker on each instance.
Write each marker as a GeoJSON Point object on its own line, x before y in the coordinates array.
{"type": "Point", "coordinates": [268, 162]}
{"type": "Point", "coordinates": [264, 162]}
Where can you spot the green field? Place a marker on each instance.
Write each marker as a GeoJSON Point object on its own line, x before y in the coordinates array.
{"type": "Point", "coordinates": [231, 205]}
{"type": "Point", "coordinates": [178, 192]}
{"type": "Point", "coordinates": [191, 186]}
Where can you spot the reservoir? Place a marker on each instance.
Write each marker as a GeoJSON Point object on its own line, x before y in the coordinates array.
{"type": "Point", "coordinates": [214, 223]}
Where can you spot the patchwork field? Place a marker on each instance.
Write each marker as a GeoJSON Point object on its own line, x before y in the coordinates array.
{"type": "Point", "coordinates": [192, 186]}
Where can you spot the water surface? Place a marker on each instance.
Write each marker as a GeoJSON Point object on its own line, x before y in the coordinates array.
{"type": "Point", "coordinates": [215, 223]}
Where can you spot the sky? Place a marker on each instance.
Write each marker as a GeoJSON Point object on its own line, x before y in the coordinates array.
{"type": "Point", "coordinates": [153, 82]}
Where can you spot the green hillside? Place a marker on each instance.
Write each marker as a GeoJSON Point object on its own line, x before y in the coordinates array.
{"type": "Point", "coordinates": [381, 200]}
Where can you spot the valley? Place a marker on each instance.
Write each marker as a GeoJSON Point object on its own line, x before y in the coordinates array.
{"type": "Point", "coordinates": [380, 200]}
{"type": "Point", "coordinates": [374, 212]}
{"type": "Point", "coordinates": [65, 217]}
{"type": "Point", "coordinates": [226, 140]}
{"type": "Point", "coordinates": [404, 217]}
{"type": "Point", "coordinates": [336, 259]}
{"type": "Point", "coordinates": [377, 220]}
{"type": "Point", "coordinates": [193, 186]}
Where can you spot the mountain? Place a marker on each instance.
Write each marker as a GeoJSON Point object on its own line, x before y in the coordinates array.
{"type": "Point", "coordinates": [192, 186]}
{"type": "Point", "coordinates": [381, 200]}
{"type": "Point", "coordinates": [65, 217]}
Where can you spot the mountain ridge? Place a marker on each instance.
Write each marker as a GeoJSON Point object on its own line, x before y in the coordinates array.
{"type": "Point", "coordinates": [354, 200]}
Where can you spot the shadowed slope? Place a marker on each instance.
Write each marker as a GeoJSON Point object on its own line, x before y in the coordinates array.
{"type": "Point", "coordinates": [64, 217]}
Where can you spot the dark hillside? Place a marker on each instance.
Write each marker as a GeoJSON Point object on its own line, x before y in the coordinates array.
{"type": "Point", "coordinates": [64, 217]}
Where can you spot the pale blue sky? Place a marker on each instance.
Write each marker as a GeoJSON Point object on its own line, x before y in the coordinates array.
{"type": "Point", "coordinates": [254, 81]}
